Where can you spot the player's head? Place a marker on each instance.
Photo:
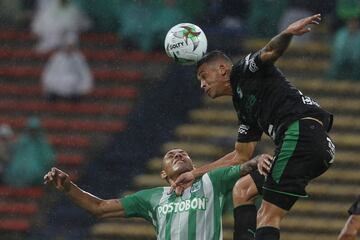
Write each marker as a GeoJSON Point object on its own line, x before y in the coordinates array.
{"type": "Point", "coordinates": [175, 162]}
{"type": "Point", "coordinates": [213, 72]}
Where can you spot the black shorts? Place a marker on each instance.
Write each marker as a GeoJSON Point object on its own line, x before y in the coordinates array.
{"type": "Point", "coordinates": [258, 180]}
{"type": "Point", "coordinates": [355, 208]}
{"type": "Point", "coordinates": [304, 153]}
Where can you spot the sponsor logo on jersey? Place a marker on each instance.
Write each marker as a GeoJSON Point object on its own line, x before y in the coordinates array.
{"type": "Point", "coordinates": [182, 206]}
{"type": "Point", "coordinates": [243, 129]}
{"type": "Point", "coordinates": [307, 100]}
{"type": "Point", "coordinates": [250, 62]}
{"type": "Point", "coordinates": [331, 150]}
{"type": "Point", "coordinates": [239, 92]}
{"type": "Point", "coordinates": [195, 187]}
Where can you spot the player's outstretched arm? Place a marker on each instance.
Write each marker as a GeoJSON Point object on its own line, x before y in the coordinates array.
{"type": "Point", "coordinates": [242, 153]}
{"type": "Point", "coordinates": [96, 206]}
{"type": "Point", "coordinates": [278, 44]}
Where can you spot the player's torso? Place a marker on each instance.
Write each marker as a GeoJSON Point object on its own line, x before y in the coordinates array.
{"type": "Point", "coordinates": [268, 99]}
{"type": "Point", "coordinates": [190, 216]}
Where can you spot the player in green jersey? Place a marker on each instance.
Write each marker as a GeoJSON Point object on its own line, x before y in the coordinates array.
{"type": "Point", "coordinates": [196, 214]}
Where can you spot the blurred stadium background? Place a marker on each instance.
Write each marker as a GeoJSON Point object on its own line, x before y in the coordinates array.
{"type": "Point", "coordinates": [111, 140]}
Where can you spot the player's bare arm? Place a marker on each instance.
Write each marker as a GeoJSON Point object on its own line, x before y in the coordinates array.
{"type": "Point", "coordinates": [96, 206]}
{"type": "Point", "coordinates": [278, 45]}
{"type": "Point", "coordinates": [242, 154]}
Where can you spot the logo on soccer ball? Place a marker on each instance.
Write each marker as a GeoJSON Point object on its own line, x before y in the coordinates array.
{"type": "Point", "coordinates": [189, 33]}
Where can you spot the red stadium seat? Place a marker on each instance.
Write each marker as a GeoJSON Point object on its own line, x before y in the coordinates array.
{"type": "Point", "coordinates": [92, 55]}
{"type": "Point", "coordinates": [100, 74]}
{"type": "Point", "coordinates": [18, 208]}
{"type": "Point", "coordinates": [105, 38]}
{"type": "Point", "coordinates": [70, 159]}
{"type": "Point", "coordinates": [84, 108]}
{"type": "Point", "coordinates": [35, 90]}
{"type": "Point", "coordinates": [18, 225]}
{"type": "Point", "coordinates": [61, 124]}
{"type": "Point", "coordinates": [32, 192]}
{"type": "Point", "coordinates": [70, 141]}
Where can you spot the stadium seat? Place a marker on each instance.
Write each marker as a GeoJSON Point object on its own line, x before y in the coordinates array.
{"type": "Point", "coordinates": [90, 54]}
{"type": "Point", "coordinates": [62, 107]}
{"type": "Point", "coordinates": [35, 90]}
{"type": "Point", "coordinates": [18, 208]}
{"type": "Point", "coordinates": [65, 124]}
{"type": "Point", "coordinates": [33, 192]}
{"type": "Point", "coordinates": [15, 225]}
{"type": "Point", "coordinates": [70, 159]}
{"type": "Point", "coordinates": [99, 74]}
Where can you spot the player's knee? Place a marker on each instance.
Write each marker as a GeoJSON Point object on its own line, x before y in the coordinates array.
{"type": "Point", "coordinates": [267, 216]}
{"type": "Point", "coordinates": [243, 193]}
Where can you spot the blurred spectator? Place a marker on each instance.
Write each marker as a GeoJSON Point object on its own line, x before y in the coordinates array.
{"type": "Point", "coordinates": [347, 9]}
{"type": "Point", "coordinates": [67, 75]}
{"type": "Point", "coordinates": [32, 157]}
{"type": "Point", "coordinates": [102, 13]}
{"type": "Point", "coordinates": [264, 17]}
{"type": "Point", "coordinates": [234, 12]}
{"type": "Point", "coordinates": [6, 147]}
{"type": "Point", "coordinates": [145, 23]}
{"type": "Point", "coordinates": [296, 10]}
{"type": "Point", "coordinates": [10, 11]}
{"type": "Point", "coordinates": [345, 58]}
{"type": "Point", "coordinates": [53, 20]}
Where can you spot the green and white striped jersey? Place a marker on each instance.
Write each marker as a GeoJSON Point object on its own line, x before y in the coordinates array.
{"type": "Point", "coordinates": [196, 215]}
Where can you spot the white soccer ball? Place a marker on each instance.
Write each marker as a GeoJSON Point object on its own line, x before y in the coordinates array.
{"type": "Point", "coordinates": [186, 43]}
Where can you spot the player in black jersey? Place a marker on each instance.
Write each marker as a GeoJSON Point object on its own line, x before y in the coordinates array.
{"type": "Point", "coordinates": [266, 102]}
{"type": "Point", "coordinates": [352, 225]}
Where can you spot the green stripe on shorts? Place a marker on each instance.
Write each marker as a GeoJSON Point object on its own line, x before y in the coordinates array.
{"type": "Point", "coordinates": [287, 150]}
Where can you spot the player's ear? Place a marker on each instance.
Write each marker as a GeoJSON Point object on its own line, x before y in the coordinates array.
{"type": "Point", "coordinates": [163, 174]}
{"type": "Point", "coordinates": [222, 69]}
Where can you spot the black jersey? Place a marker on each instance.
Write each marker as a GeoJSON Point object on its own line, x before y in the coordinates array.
{"type": "Point", "coordinates": [266, 102]}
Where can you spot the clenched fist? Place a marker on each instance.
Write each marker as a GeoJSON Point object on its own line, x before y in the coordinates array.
{"type": "Point", "coordinates": [59, 179]}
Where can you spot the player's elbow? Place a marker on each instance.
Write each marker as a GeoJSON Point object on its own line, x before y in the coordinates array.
{"type": "Point", "coordinates": [99, 211]}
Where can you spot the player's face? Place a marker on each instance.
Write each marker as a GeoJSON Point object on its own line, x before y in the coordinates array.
{"type": "Point", "coordinates": [177, 161]}
{"type": "Point", "coordinates": [213, 79]}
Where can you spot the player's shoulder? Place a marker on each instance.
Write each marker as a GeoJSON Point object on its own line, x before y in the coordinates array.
{"type": "Point", "coordinates": [150, 192]}
{"type": "Point", "coordinates": [219, 173]}
{"type": "Point", "coordinates": [249, 63]}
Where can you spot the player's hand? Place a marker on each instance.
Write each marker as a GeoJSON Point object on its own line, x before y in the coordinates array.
{"type": "Point", "coordinates": [301, 26]}
{"type": "Point", "coordinates": [182, 182]}
{"type": "Point", "coordinates": [57, 178]}
{"type": "Point", "coordinates": [264, 164]}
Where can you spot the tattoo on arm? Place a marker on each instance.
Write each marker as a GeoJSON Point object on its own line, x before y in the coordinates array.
{"type": "Point", "coordinates": [248, 167]}
{"type": "Point", "coordinates": [276, 47]}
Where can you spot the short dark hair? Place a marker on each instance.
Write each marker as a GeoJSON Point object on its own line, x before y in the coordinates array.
{"type": "Point", "coordinates": [211, 56]}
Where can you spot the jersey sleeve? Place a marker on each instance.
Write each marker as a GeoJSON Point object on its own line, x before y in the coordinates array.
{"type": "Point", "coordinates": [138, 205]}
{"type": "Point", "coordinates": [251, 64]}
{"type": "Point", "coordinates": [249, 132]}
{"type": "Point", "coordinates": [225, 178]}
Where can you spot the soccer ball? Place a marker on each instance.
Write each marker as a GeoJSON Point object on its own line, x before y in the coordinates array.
{"type": "Point", "coordinates": [186, 43]}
